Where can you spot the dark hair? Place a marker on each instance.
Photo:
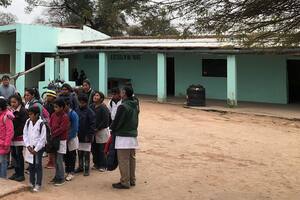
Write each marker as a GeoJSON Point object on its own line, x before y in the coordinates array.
{"type": "Point", "coordinates": [66, 85]}
{"type": "Point", "coordinates": [128, 91]}
{"type": "Point", "coordinates": [102, 96]}
{"type": "Point", "coordinates": [115, 91]}
{"type": "Point", "coordinates": [3, 104]}
{"type": "Point", "coordinates": [83, 97]}
{"type": "Point", "coordinates": [34, 92]}
{"type": "Point", "coordinates": [67, 101]}
{"type": "Point", "coordinates": [87, 82]}
{"type": "Point", "coordinates": [60, 103]}
{"type": "Point", "coordinates": [5, 77]}
{"type": "Point", "coordinates": [17, 97]}
{"type": "Point", "coordinates": [35, 110]}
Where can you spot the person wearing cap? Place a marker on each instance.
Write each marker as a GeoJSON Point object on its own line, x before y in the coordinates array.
{"type": "Point", "coordinates": [49, 105]}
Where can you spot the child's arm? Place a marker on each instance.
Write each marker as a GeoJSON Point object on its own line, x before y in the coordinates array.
{"type": "Point", "coordinates": [42, 139]}
{"type": "Point", "coordinates": [74, 125]}
{"type": "Point", "coordinates": [9, 126]}
{"type": "Point", "coordinates": [64, 127]}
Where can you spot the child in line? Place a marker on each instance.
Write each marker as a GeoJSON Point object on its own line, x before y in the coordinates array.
{"type": "Point", "coordinates": [115, 102]}
{"type": "Point", "coordinates": [102, 131]}
{"type": "Point", "coordinates": [34, 136]}
{"type": "Point", "coordinates": [72, 143]}
{"type": "Point", "coordinates": [6, 135]}
{"type": "Point", "coordinates": [60, 126]}
{"type": "Point", "coordinates": [85, 134]}
{"type": "Point", "coordinates": [19, 121]}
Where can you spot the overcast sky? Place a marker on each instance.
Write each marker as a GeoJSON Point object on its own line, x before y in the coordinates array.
{"type": "Point", "coordinates": [17, 8]}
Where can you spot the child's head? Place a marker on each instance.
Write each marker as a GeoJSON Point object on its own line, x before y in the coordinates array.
{"type": "Point", "coordinates": [59, 105]}
{"type": "Point", "coordinates": [126, 92]}
{"type": "Point", "coordinates": [98, 97]}
{"type": "Point", "coordinates": [34, 113]}
{"type": "Point", "coordinates": [31, 93]}
{"type": "Point", "coordinates": [86, 85]}
{"type": "Point", "coordinates": [66, 89]}
{"type": "Point", "coordinates": [15, 101]}
{"type": "Point", "coordinates": [50, 96]}
{"type": "Point", "coordinates": [83, 100]}
{"type": "Point", "coordinates": [116, 94]}
{"type": "Point", "coordinates": [68, 104]}
{"type": "Point", "coordinates": [5, 80]}
{"type": "Point", "coordinates": [3, 104]}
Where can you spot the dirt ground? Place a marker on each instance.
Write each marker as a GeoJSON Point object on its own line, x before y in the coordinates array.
{"type": "Point", "coordinates": [192, 154]}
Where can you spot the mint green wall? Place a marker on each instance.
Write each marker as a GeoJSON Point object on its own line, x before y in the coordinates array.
{"type": "Point", "coordinates": [262, 78]}
{"type": "Point", "coordinates": [8, 46]}
{"type": "Point", "coordinates": [143, 72]}
{"type": "Point", "coordinates": [188, 70]}
{"type": "Point", "coordinates": [90, 67]}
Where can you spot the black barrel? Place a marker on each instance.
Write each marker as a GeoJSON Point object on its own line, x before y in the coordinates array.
{"type": "Point", "coordinates": [195, 95]}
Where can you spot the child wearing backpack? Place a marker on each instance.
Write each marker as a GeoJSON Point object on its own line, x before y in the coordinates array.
{"type": "Point", "coordinates": [34, 136]}
{"type": "Point", "coordinates": [85, 134]}
{"type": "Point", "coordinates": [19, 121]}
{"type": "Point", "coordinates": [72, 143]}
{"type": "Point", "coordinates": [6, 135]}
{"type": "Point", "coordinates": [60, 125]}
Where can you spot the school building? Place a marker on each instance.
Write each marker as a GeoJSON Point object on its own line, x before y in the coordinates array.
{"type": "Point", "coordinates": [154, 66]}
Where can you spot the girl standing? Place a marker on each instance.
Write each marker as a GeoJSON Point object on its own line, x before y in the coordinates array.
{"type": "Point", "coordinates": [19, 121]}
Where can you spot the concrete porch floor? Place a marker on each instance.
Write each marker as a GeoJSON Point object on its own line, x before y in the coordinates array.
{"type": "Point", "coordinates": [288, 111]}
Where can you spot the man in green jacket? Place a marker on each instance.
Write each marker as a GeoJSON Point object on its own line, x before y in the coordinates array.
{"type": "Point", "coordinates": [124, 128]}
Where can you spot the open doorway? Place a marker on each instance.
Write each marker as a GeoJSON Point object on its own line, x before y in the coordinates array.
{"type": "Point", "coordinates": [293, 69]}
{"type": "Point", "coordinates": [170, 76]}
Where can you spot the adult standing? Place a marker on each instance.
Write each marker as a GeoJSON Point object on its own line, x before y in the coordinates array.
{"type": "Point", "coordinates": [124, 127]}
{"type": "Point", "coordinates": [6, 89]}
{"type": "Point", "coordinates": [88, 91]}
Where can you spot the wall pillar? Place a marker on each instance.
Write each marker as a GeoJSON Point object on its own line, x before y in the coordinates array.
{"type": "Point", "coordinates": [64, 69]}
{"type": "Point", "coordinates": [161, 77]}
{"type": "Point", "coordinates": [231, 80]}
{"type": "Point", "coordinates": [103, 72]}
{"type": "Point", "coordinates": [20, 67]}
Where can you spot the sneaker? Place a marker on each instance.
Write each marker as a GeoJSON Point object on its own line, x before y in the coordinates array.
{"type": "Point", "coordinates": [95, 167]}
{"type": "Point", "coordinates": [69, 177]}
{"type": "Point", "coordinates": [119, 186]}
{"type": "Point", "coordinates": [102, 170]}
{"type": "Point", "coordinates": [13, 177]}
{"type": "Point", "coordinates": [20, 179]}
{"type": "Point", "coordinates": [59, 182]}
{"type": "Point", "coordinates": [36, 188]}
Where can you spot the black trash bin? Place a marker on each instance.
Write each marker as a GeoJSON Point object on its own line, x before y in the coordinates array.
{"type": "Point", "coordinates": [195, 95]}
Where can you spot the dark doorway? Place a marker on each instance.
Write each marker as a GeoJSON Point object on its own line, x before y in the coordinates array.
{"type": "Point", "coordinates": [170, 76]}
{"type": "Point", "coordinates": [293, 69]}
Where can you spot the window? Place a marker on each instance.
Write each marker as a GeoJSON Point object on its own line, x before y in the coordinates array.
{"type": "Point", "coordinates": [214, 67]}
{"type": "Point", "coordinates": [4, 63]}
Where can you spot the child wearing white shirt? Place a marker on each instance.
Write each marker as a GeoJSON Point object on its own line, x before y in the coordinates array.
{"type": "Point", "coordinates": [35, 140]}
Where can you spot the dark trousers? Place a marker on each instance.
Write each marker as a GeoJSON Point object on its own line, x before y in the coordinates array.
{"type": "Point", "coordinates": [36, 169]}
{"type": "Point", "coordinates": [99, 158]}
{"type": "Point", "coordinates": [17, 154]}
{"type": "Point", "coordinates": [84, 160]}
{"type": "Point", "coordinates": [70, 161]}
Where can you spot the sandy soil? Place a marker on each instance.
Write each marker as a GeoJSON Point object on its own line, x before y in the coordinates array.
{"type": "Point", "coordinates": [192, 154]}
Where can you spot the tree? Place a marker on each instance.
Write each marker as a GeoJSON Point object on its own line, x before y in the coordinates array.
{"type": "Point", "coordinates": [254, 22]}
{"type": "Point", "coordinates": [7, 18]}
{"type": "Point", "coordinates": [107, 16]}
{"type": "Point", "coordinates": [154, 24]}
{"type": "Point", "coordinates": [5, 3]}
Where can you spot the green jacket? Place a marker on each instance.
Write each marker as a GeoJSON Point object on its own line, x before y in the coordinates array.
{"type": "Point", "coordinates": [127, 118]}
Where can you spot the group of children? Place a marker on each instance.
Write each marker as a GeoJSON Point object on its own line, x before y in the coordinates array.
{"type": "Point", "coordinates": [65, 125]}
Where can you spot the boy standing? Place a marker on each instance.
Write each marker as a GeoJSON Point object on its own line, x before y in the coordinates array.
{"type": "Point", "coordinates": [85, 134]}
{"type": "Point", "coordinates": [60, 124]}
{"type": "Point", "coordinates": [35, 139]}
{"type": "Point", "coordinates": [115, 102]}
{"type": "Point", "coordinates": [72, 143]}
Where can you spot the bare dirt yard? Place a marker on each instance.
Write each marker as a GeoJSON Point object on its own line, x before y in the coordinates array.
{"type": "Point", "coordinates": [192, 154]}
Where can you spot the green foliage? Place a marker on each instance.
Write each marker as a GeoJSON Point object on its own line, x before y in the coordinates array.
{"type": "Point", "coordinates": [5, 3]}
{"type": "Point", "coordinates": [7, 18]}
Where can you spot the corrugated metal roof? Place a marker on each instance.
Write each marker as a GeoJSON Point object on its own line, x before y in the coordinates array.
{"type": "Point", "coordinates": [156, 43]}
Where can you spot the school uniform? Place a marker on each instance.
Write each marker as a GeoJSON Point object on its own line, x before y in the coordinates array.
{"type": "Point", "coordinates": [19, 121]}
{"type": "Point", "coordinates": [85, 135]}
{"type": "Point", "coordinates": [113, 107]}
{"type": "Point", "coordinates": [34, 135]}
{"type": "Point", "coordinates": [60, 125]}
{"type": "Point", "coordinates": [72, 142]}
{"type": "Point", "coordinates": [101, 136]}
